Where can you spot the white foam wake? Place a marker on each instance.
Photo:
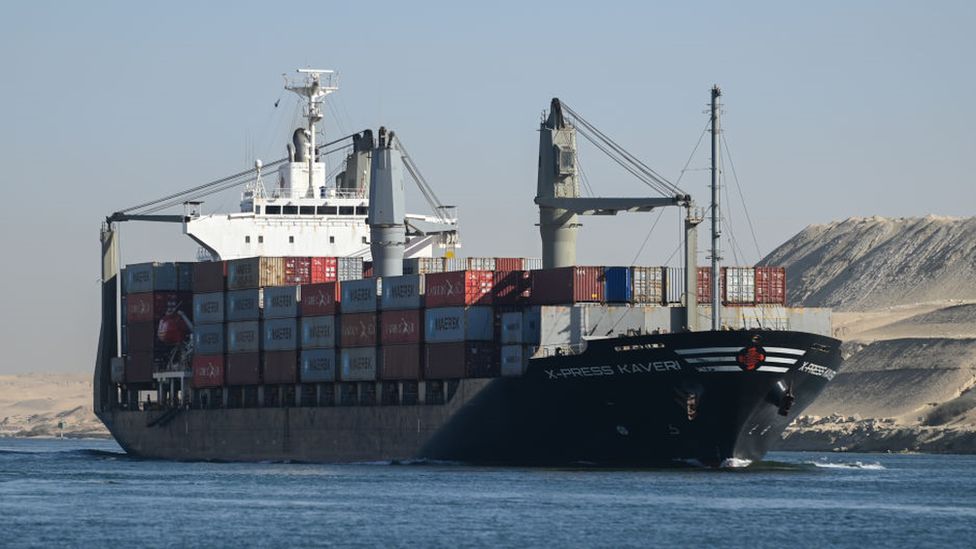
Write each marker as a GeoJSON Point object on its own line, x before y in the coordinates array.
{"type": "Point", "coordinates": [735, 463]}
{"type": "Point", "coordinates": [855, 465]}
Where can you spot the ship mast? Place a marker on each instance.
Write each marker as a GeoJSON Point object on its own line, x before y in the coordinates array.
{"type": "Point", "coordinates": [715, 278]}
{"type": "Point", "coordinates": [313, 89]}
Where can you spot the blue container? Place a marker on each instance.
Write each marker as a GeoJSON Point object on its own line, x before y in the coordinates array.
{"type": "Point", "coordinates": [243, 305]}
{"type": "Point", "coordinates": [184, 277]}
{"type": "Point", "coordinates": [618, 285]}
{"type": "Point", "coordinates": [150, 277]}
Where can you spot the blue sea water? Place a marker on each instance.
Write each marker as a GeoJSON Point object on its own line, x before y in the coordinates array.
{"type": "Point", "coordinates": [88, 493]}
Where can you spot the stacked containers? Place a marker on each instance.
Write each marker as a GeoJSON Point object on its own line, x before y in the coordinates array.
{"type": "Point", "coordinates": [209, 344]}
{"type": "Point", "coordinates": [255, 272]}
{"type": "Point", "coordinates": [280, 335]}
{"type": "Point", "coordinates": [423, 265]}
{"type": "Point", "coordinates": [242, 311]}
{"type": "Point", "coordinates": [459, 325]}
{"type": "Point", "coordinates": [511, 287]}
{"type": "Point", "coordinates": [319, 305]}
{"type": "Point", "coordinates": [357, 329]}
{"type": "Point", "coordinates": [401, 324]}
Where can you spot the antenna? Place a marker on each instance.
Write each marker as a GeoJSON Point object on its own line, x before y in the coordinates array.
{"type": "Point", "coordinates": [316, 84]}
{"type": "Point", "coordinates": [716, 217]}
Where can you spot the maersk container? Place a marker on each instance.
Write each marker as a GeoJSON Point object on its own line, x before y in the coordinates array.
{"type": "Point", "coordinates": [400, 362]}
{"type": "Point", "coordinates": [153, 306]}
{"type": "Point", "coordinates": [357, 330]}
{"type": "Point", "coordinates": [359, 296]}
{"type": "Point", "coordinates": [567, 285]}
{"type": "Point", "coordinates": [298, 270]}
{"type": "Point", "coordinates": [280, 302]}
{"type": "Point", "coordinates": [243, 305]}
{"type": "Point", "coordinates": [280, 334]}
{"type": "Point", "coordinates": [740, 285]}
{"type": "Point", "coordinates": [647, 284]}
{"type": "Point", "coordinates": [461, 360]}
{"type": "Point", "coordinates": [208, 308]}
{"type": "Point", "coordinates": [243, 337]}
{"type": "Point", "coordinates": [423, 265]}
{"type": "Point", "coordinates": [512, 329]}
{"type": "Point", "coordinates": [279, 367]}
{"type": "Point", "coordinates": [208, 370]}
{"type": "Point", "coordinates": [323, 269]}
{"type": "Point", "coordinates": [209, 276]}
{"type": "Point", "coordinates": [357, 364]}
{"type": "Point", "coordinates": [318, 332]}
{"type": "Point", "coordinates": [399, 327]}
{"type": "Point", "coordinates": [458, 324]}
{"type": "Point", "coordinates": [402, 292]}
{"type": "Point", "coordinates": [771, 285]}
{"type": "Point", "coordinates": [618, 286]}
{"type": "Point", "coordinates": [514, 360]}
{"type": "Point", "coordinates": [255, 272]}
{"type": "Point", "coordinates": [674, 285]}
{"type": "Point", "coordinates": [511, 287]}
{"type": "Point", "coordinates": [318, 365]}
{"type": "Point", "coordinates": [319, 299]}
{"type": "Point", "coordinates": [208, 339]}
{"type": "Point", "coordinates": [153, 277]}
{"type": "Point", "coordinates": [349, 268]}
{"type": "Point", "coordinates": [458, 288]}
{"type": "Point", "coordinates": [243, 368]}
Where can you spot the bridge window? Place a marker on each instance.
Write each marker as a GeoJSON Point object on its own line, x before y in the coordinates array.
{"type": "Point", "coordinates": [290, 210]}
{"type": "Point", "coordinates": [247, 239]}
{"type": "Point", "coordinates": [362, 210]}
{"type": "Point", "coordinates": [272, 210]}
{"type": "Point", "coordinates": [306, 210]}
{"type": "Point", "coordinates": [260, 239]}
{"type": "Point", "coordinates": [331, 240]}
{"type": "Point", "coordinates": [328, 210]}
{"type": "Point", "coordinates": [346, 210]}
{"type": "Point", "coordinates": [257, 210]}
{"type": "Point", "coordinates": [291, 239]}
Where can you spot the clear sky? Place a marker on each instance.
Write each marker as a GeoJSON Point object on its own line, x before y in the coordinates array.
{"type": "Point", "coordinates": [832, 110]}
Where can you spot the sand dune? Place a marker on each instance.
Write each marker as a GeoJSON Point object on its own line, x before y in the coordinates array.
{"type": "Point", "coordinates": [35, 405]}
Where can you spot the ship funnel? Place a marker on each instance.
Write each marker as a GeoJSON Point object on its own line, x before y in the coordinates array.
{"type": "Point", "coordinates": [301, 142]}
{"type": "Point", "coordinates": [387, 207]}
{"type": "Point", "coordinates": [557, 179]}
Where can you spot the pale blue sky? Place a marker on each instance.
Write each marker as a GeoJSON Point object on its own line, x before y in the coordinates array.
{"type": "Point", "coordinates": [833, 109]}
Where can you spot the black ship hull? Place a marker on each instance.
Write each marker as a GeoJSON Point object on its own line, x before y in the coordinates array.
{"type": "Point", "coordinates": [701, 397]}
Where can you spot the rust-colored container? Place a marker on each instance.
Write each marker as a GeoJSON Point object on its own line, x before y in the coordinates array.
{"type": "Point", "coordinates": [208, 371]}
{"type": "Point", "coordinates": [398, 362]}
{"type": "Point", "coordinates": [323, 269]}
{"type": "Point", "coordinates": [460, 360]}
{"type": "Point", "coordinates": [511, 287]}
{"type": "Point", "coordinates": [255, 272]}
{"type": "Point", "coordinates": [357, 330]}
{"type": "Point", "coordinates": [138, 367]}
{"type": "Point", "coordinates": [319, 299]}
{"type": "Point", "coordinates": [509, 264]}
{"type": "Point", "coordinates": [150, 307]}
{"type": "Point", "coordinates": [458, 288]}
{"type": "Point", "coordinates": [402, 327]}
{"type": "Point", "coordinates": [298, 270]}
{"type": "Point", "coordinates": [209, 276]}
{"type": "Point", "coordinates": [243, 368]}
{"type": "Point", "coordinates": [280, 367]}
{"type": "Point", "coordinates": [367, 269]}
{"type": "Point", "coordinates": [567, 285]}
{"type": "Point", "coordinates": [705, 285]}
{"type": "Point", "coordinates": [771, 285]}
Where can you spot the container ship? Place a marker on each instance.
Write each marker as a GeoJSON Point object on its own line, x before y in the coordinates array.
{"type": "Point", "coordinates": [324, 323]}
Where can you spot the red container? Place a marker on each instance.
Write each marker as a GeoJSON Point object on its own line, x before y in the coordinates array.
{"type": "Point", "coordinates": [509, 264]}
{"type": "Point", "coordinates": [243, 369]}
{"type": "Point", "coordinates": [151, 307]}
{"type": "Point", "coordinates": [401, 327]}
{"type": "Point", "coordinates": [298, 270]}
{"type": "Point", "coordinates": [208, 371]}
{"type": "Point", "coordinates": [280, 367]}
{"type": "Point", "coordinates": [367, 269]}
{"type": "Point", "coordinates": [567, 285]}
{"type": "Point", "coordinates": [357, 329]}
{"type": "Point", "coordinates": [209, 276]}
{"type": "Point", "coordinates": [460, 360]}
{"type": "Point", "coordinates": [705, 284]}
{"type": "Point", "coordinates": [458, 288]}
{"type": "Point", "coordinates": [400, 362]}
{"type": "Point", "coordinates": [771, 285]}
{"type": "Point", "coordinates": [138, 367]}
{"type": "Point", "coordinates": [323, 269]}
{"type": "Point", "coordinates": [319, 299]}
{"type": "Point", "coordinates": [511, 287]}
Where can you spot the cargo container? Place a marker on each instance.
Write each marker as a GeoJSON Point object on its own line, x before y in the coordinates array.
{"type": "Point", "coordinates": [243, 305]}
{"type": "Point", "coordinates": [151, 336]}
{"type": "Point", "coordinates": [423, 265]}
{"type": "Point", "coordinates": [318, 365]}
{"type": "Point", "coordinates": [647, 285]}
{"type": "Point", "coordinates": [157, 277]}
{"type": "Point", "coordinates": [452, 264]}
{"type": "Point", "coordinates": [740, 285]}
{"type": "Point", "coordinates": [511, 287]}
{"type": "Point", "coordinates": [357, 364]}
{"type": "Point", "coordinates": [457, 324]}
{"type": "Point", "coordinates": [459, 360]}
{"type": "Point", "coordinates": [280, 302]}
{"type": "Point", "coordinates": [243, 368]}
{"type": "Point", "coordinates": [298, 270]}
{"type": "Point", "coordinates": [318, 332]}
{"type": "Point", "coordinates": [531, 263]}
{"type": "Point", "coordinates": [279, 367]}
{"type": "Point", "coordinates": [151, 307]}
{"type": "Point", "coordinates": [771, 285]}
{"type": "Point", "coordinates": [357, 330]}
{"type": "Point", "coordinates": [208, 308]}
{"type": "Point", "coordinates": [244, 337]}
{"type": "Point", "coordinates": [514, 360]}
{"type": "Point", "coordinates": [402, 292]}
{"type": "Point", "coordinates": [208, 370]}
{"type": "Point", "coordinates": [367, 269]}
{"type": "Point", "coordinates": [209, 276]}
{"type": "Point", "coordinates": [208, 339]}
{"type": "Point", "coordinates": [400, 362]}
{"type": "Point", "coordinates": [458, 288]}
{"type": "Point", "coordinates": [618, 285]}
{"type": "Point", "coordinates": [509, 264]}
{"type": "Point", "coordinates": [705, 284]}
{"type": "Point", "coordinates": [255, 272]}
{"type": "Point", "coordinates": [323, 269]}
{"type": "Point", "coordinates": [319, 299]}
{"type": "Point", "coordinates": [401, 327]}
{"type": "Point", "coordinates": [359, 296]}
{"type": "Point", "coordinates": [567, 285]}
{"type": "Point", "coordinates": [139, 367]}
{"type": "Point", "coordinates": [280, 334]}
{"type": "Point", "coordinates": [349, 268]}
{"type": "Point", "coordinates": [674, 285]}
{"type": "Point", "coordinates": [482, 263]}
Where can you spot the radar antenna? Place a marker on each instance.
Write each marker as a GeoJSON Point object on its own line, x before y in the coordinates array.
{"type": "Point", "coordinates": [313, 86]}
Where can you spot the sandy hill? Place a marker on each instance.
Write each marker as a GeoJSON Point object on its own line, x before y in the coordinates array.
{"type": "Point", "coordinates": [34, 405]}
{"type": "Point", "coordinates": [877, 262]}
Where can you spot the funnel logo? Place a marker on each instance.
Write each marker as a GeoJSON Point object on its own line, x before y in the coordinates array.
{"type": "Point", "coordinates": [750, 358]}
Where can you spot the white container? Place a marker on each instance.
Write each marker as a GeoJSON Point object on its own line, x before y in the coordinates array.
{"type": "Point", "coordinates": [481, 263]}
{"type": "Point", "coordinates": [318, 332]}
{"type": "Point", "coordinates": [318, 365]}
{"type": "Point", "coordinates": [208, 308]}
{"type": "Point", "coordinates": [402, 292]}
{"type": "Point", "coordinates": [515, 360]}
{"type": "Point", "coordinates": [674, 284]}
{"type": "Point", "coordinates": [280, 302]}
{"type": "Point", "coordinates": [359, 296]}
{"type": "Point", "coordinates": [423, 265]}
{"type": "Point", "coordinates": [358, 364]}
{"type": "Point", "coordinates": [280, 334]}
{"type": "Point", "coordinates": [740, 285]}
{"type": "Point", "coordinates": [531, 263]}
{"type": "Point", "coordinates": [458, 324]}
{"type": "Point", "coordinates": [349, 268]}
{"type": "Point", "coordinates": [647, 285]}
{"type": "Point", "coordinates": [208, 339]}
{"type": "Point", "coordinates": [244, 337]}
